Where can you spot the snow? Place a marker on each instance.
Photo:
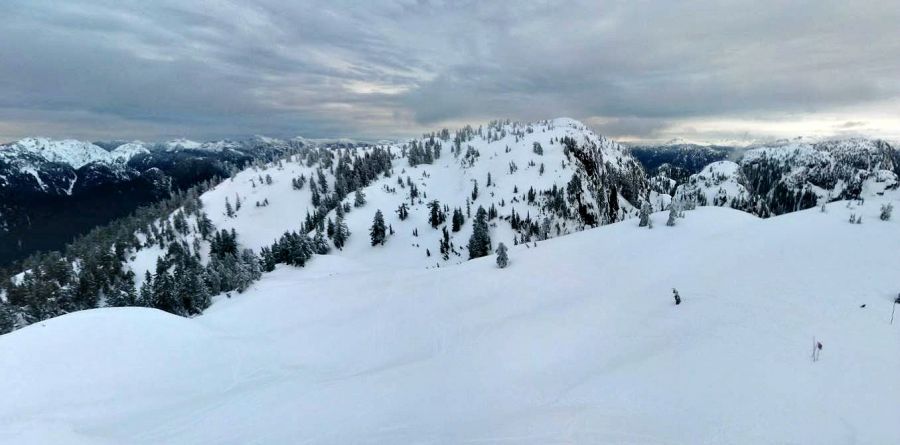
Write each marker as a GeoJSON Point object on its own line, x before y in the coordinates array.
{"type": "Point", "coordinates": [71, 152]}
{"type": "Point", "coordinates": [268, 140]}
{"type": "Point", "coordinates": [577, 341]}
{"type": "Point", "coordinates": [183, 143]}
{"type": "Point", "coordinates": [34, 173]}
{"type": "Point", "coordinates": [129, 150]}
{"type": "Point", "coordinates": [449, 180]}
{"type": "Point", "coordinates": [74, 153]}
{"type": "Point", "coordinates": [720, 182]}
{"type": "Point", "coordinates": [187, 144]}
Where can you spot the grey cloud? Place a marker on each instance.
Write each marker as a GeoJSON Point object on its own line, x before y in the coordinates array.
{"type": "Point", "coordinates": [395, 67]}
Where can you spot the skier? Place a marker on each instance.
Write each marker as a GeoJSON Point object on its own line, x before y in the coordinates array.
{"type": "Point", "coordinates": [817, 351]}
{"type": "Point", "coordinates": [677, 297]}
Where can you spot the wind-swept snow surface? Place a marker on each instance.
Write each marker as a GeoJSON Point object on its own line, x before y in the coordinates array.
{"type": "Point", "coordinates": [577, 341]}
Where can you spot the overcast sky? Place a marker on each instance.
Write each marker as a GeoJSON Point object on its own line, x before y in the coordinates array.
{"type": "Point", "coordinates": [633, 70]}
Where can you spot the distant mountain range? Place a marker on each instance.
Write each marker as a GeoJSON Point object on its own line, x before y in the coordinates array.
{"type": "Point", "coordinates": [54, 190]}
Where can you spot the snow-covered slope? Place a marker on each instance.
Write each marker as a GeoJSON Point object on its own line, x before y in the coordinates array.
{"type": "Point", "coordinates": [70, 152]}
{"type": "Point", "coordinates": [187, 144]}
{"type": "Point", "coordinates": [531, 181]}
{"type": "Point", "coordinates": [506, 152]}
{"type": "Point", "coordinates": [128, 150]}
{"type": "Point", "coordinates": [577, 341]}
{"type": "Point", "coordinates": [718, 184]}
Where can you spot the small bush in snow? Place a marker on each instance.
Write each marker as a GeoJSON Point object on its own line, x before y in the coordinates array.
{"type": "Point", "coordinates": [886, 210]}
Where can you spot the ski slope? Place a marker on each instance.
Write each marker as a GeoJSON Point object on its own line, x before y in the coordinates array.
{"type": "Point", "coordinates": [577, 341]}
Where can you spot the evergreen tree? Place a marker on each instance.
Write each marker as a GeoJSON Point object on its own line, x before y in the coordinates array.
{"type": "Point", "coordinates": [267, 259]}
{"type": "Point", "coordinates": [458, 220]}
{"type": "Point", "coordinates": [673, 214]}
{"type": "Point", "coordinates": [180, 223]}
{"type": "Point", "coordinates": [341, 233]}
{"type": "Point", "coordinates": [190, 291]}
{"type": "Point", "coordinates": [480, 241]}
{"type": "Point", "coordinates": [359, 199]}
{"type": "Point", "coordinates": [545, 229]}
{"type": "Point", "coordinates": [613, 213]}
{"type": "Point", "coordinates": [204, 225]}
{"type": "Point", "coordinates": [436, 214]}
{"type": "Point", "coordinates": [229, 211]}
{"type": "Point", "coordinates": [7, 319]}
{"type": "Point", "coordinates": [377, 232]}
{"type": "Point", "coordinates": [249, 270]}
{"type": "Point", "coordinates": [145, 296]}
{"type": "Point", "coordinates": [123, 292]}
{"type": "Point", "coordinates": [645, 214]}
{"type": "Point", "coordinates": [320, 243]}
{"type": "Point", "coordinates": [164, 290]}
{"type": "Point", "coordinates": [403, 211]}
{"type": "Point", "coordinates": [502, 256]}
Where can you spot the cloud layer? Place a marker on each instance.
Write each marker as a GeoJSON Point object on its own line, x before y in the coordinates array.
{"type": "Point", "coordinates": [633, 69]}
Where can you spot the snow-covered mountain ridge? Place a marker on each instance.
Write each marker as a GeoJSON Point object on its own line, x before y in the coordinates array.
{"type": "Point", "coordinates": [70, 152]}
{"type": "Point", "coordinates": [497, 167]}
{"type": "Point", "coordinates": [532, 181]}
{"type": "Point", "coordinates": [795, 175]}
{"type": "Point", "coordinates": [508, 182]}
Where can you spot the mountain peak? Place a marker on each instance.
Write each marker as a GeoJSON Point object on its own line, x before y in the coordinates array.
{"type": "Point", "coordinates": [67, 151]}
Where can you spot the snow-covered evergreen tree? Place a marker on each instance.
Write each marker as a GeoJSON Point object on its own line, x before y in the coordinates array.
{"type": "Point", "coordinates": [480, 241]}
{"type": "Point", "coordinates": [377, 232]}
{"type": "Point", "coordinates": [436, 215]}
{"type": "Point", "coordinates": [673, 214]}
{"type": "Point", "coordinates": [229, 211]}
{"type": "Point", "coordinates": [7, 318]}
{"type": "Point", "coordinates": [320, 243]}
{"type": "Point", "coordinates": [645, 214]}
{"type": "Point", "coordinates": [403, 211]}
{"type": "Point", "coordinates": [502, 256]}
{"type": "Point", "coordinates": [341, 233]}
{"type": "Point", "coordinates": [457, 220]}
